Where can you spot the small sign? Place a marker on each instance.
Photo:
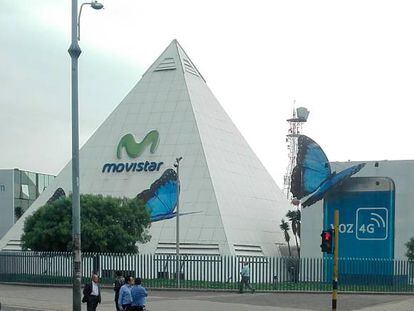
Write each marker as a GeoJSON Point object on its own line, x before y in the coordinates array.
{"type": "Point", "coordinates": [372, 223]}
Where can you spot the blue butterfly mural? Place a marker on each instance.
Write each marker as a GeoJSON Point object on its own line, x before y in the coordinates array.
{"type": "Point", "coordinates": [161, 198]}
{"type": "Point", "coordinates": [312, 174]}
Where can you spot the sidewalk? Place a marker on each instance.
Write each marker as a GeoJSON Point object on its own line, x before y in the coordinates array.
{"type": "Point", "coordinates": [33, 298]}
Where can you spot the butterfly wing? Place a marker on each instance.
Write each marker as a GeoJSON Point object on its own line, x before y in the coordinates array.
{"type": "Point", "coordinates": [333, 181]}
{"type": "Point", "coordinates": [164, 199]}
{"type": "Point", "coordinates": [311, 170]}
{"type": "Point", "coordinates": [161, 198]}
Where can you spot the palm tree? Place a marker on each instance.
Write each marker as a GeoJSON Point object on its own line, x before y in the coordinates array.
{"type": "Point", "coordinates": [294, 218]}
{"type": "Point", "coordinates": [285, 228]}
{"type": "Point", "coordinates": [299, 222]}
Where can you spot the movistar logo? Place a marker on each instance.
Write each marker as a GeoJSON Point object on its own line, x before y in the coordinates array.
{"type": "Point", "coordinates": [134, 149]}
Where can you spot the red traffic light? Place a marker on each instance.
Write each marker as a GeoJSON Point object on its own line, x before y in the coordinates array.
{"type": "Point", "coordinates": [326, 235]}
{"type": "Point", "coordinates": [327, 245]}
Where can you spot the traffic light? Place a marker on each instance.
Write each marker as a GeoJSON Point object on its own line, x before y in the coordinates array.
{"type": "Point", "coordinates": [327, 241]}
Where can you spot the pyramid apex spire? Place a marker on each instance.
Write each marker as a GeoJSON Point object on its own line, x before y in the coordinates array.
{"type": "Point", "coordinates": [174, 58]}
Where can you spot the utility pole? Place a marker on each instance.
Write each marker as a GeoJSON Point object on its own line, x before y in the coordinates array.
{"type": "Point", "coordinates": [74, 52]}
{"type": "Point", "coordinates": [335, 261]}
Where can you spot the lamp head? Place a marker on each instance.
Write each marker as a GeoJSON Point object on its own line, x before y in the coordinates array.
{"type": "Point", "coordinates": [96, 5]}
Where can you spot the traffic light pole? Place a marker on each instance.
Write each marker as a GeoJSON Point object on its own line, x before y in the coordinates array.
{"type": "Point", "coordinates": [335, 261]}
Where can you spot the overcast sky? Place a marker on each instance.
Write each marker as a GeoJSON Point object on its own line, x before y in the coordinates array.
{"type": "Point", "coordinates": [351, 63]}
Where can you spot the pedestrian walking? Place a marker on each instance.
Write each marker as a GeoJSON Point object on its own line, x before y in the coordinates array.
{"type": "Point", "coordinates": [125, 298]}
{"type": "Point", "coordinates": [119, 281]}
{"type": "Point", "coordinates": [92, 293]}
{"type": "Point", "coordinates": [245, 277]}
{"type": "Point", "coordinates": [138, 293]}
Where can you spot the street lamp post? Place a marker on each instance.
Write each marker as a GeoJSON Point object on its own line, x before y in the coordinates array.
{"type": "Point", "coordinates": [74, 52]}
{"type": "Point", "coordinates": [177, 239]}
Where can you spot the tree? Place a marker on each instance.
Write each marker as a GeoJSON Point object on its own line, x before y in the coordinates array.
{"type": "Point", "coordinates": [107, 225]}
{"type": "Point", "coordinates": [294, 218]}
{"type": "Point", "coordinates": [18, 212]}
{"type": "Point", "coordinates": [285, 228]}
{"type": "Point", "coordinates": [410, 249]}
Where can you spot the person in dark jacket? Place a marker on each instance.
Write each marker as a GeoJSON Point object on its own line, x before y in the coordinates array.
{"type": "Point", "coordinates": [92, 293]}
{"type": "Point", "coordinates": [119, 281]}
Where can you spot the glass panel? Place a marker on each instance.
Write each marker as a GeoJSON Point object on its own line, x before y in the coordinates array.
{"type": "Point", "coordinates": [32, 177]}
{"type": "Point", "coordinates": [50, 179]}
{"type": "Point", "coordinates": [41, 185]}
{"type": "Point", "coordinates": [27, 187]}
{"type": "Point", "coordinates": [17, 183]}
{"type": "Point", "coordinates": [24, 179]}
{"type": "Point", "coordinates": [25, 192]}
{"type": "Point", "coordinates": [31, 182]}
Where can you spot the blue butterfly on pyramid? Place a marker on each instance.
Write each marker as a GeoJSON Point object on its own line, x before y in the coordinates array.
{"type": "Point", "coordinates": [312, 176]}
{"type": "Point", "coordinates": [162, 196]}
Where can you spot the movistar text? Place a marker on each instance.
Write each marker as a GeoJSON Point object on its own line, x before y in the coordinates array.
{"type": "Point", "coordinates": [132, 167]}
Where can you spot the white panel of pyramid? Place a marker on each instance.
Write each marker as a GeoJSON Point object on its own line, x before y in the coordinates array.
{"type": "Point", "coordinates": [230, 203]}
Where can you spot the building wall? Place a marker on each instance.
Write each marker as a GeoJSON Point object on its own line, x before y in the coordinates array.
{"type": "Point", "coordinates": [402, 173]}
{"type": "Point", "coordinates": [6, 201]}
{"type": "Point", "coordinates": [18, 190]}
{"type": "Point", "coordinates": [27, 188]}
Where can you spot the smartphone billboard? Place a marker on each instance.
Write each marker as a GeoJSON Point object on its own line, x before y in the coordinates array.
{"type": "Point", "coordinates": [366, 215]}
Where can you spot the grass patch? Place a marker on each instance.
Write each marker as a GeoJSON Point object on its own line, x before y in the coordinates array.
{"type": "Point", "coordinates": [210, 285]}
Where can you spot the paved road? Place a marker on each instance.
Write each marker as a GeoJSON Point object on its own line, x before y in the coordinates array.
{"type": "Point", "coordinates": [27, 298]}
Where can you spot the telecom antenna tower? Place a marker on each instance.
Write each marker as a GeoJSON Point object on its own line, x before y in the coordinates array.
{"type": "Point", "coordinates": [299, 117]}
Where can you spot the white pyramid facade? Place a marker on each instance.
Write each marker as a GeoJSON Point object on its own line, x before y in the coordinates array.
{"type": "Point", "coordinates": [236, 206]}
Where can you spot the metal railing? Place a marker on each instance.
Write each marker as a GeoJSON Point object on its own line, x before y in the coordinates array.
{"type": "Point", "coordinates": [213, 272]}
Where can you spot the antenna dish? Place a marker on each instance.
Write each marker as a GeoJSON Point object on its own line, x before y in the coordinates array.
{"type": "Point", "coordinates": [302, 113]}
